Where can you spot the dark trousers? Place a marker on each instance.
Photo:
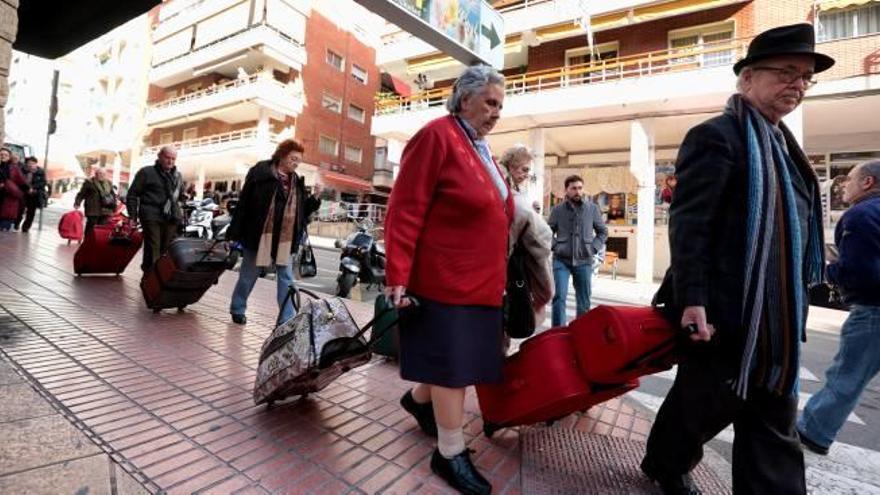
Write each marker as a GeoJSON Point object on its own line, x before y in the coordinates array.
{"type": "Point", "coordinates": [767, 456]}
{"type": "Point", "coordinates": [157, 237]}
{"type": "Point", "coordinates": [29, 213]}
{"type": "Point", "coordinates": [91, 221]}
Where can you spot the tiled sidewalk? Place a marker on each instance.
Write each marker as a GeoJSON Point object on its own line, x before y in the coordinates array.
{"type": "Point", "coordinates": [168, 397]}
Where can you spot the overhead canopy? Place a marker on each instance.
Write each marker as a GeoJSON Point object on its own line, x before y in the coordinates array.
{"type": "Point", "coordinates": [841, 4]}
{"type": "Point", "coordinates": [51, 29]}
{"type": "Point", "coordinates": [345, 182]}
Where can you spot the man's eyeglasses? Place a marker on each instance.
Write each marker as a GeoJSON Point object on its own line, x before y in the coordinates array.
{"type": "Point", "coordinates": [789, 76]}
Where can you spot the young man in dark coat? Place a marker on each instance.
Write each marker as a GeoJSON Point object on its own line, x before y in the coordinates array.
{"type": "Point", "coordinates": [745, 235]}
{"type": "Point", "coordinates": [153, 199]}
{"type": "Point", "coordinates": [269, 222]}
{"type": "Point", "coordinates": [35, 198]}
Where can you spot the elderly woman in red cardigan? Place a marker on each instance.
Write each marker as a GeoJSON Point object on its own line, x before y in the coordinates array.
{"type": "Point", "coordinates": [446, 240]}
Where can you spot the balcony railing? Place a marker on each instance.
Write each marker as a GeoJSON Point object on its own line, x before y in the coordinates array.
{"type": "Point", "coordinates": [207, 142]}
{"type": "Point", "coordinates": [226, 87]}
{"type": "Point", "coordinates": [633, 66]}
{"type": "Point", "coordinates": [229, 38]}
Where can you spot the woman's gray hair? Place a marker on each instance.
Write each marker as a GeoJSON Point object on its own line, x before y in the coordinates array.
{"type": "Point", "coordinates": [472, 80]}
{"type": "Point", "coordinates": [516, 156]}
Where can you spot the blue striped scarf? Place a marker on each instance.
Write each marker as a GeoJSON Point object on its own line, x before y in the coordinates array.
{"type": "Point", "coordinates": [777, 270]}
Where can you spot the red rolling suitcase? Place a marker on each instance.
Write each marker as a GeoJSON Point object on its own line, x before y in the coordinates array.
{"type": "Point", "coordinates": [107, 249]}
{"type": "Point", "coordinates": [615, 344]}
{"type": "Point", "coordinates": [542, 382]}
{"type": "Point", "coordinates": [70, 226]}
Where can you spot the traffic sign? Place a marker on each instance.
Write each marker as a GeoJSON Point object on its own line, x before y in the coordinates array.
{"type": "Point", "coordinates": [470, 31]}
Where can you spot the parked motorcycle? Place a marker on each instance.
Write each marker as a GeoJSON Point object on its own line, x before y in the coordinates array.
{"type": "Point", "coordinates": [199, 221]}
{"type": "Point", "coordinates": [362, 259]}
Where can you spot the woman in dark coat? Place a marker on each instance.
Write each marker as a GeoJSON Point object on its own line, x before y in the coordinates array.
{"type": "Point", "coordinates": [13, 187]}
{"type": "Point", "coordinates": [271, 186]}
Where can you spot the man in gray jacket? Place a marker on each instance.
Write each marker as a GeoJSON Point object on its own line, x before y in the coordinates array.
{"type": "Point", "coordinates": [153, 198]}
{"type": "Point", "coordinates": [578, 234]}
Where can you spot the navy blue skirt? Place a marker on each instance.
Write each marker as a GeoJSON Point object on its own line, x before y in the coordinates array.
{"type": "Point", "coordinates": [449, 345]}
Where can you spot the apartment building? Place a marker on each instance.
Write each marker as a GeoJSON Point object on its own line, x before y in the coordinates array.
{"type": "Point", "coordinates": [230, 80]}
{"type": "Point", "coordinates": [614, 107]}
{"type": "Point", "coordinates": [101, 94]}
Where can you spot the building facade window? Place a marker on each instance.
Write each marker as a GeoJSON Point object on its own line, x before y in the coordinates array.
{"type": "Point", "coordinates": [331, 103]}
{"type": "Point", "coordinates": [707, 41]}
{"type": "Point", "coordinates": [356, 113]}
{"type": "Point", "coordinates": [188, 134]}
{"type": "Point", "coordinates": [328, 146]}
{"type": "Point", "coordinates": [166, 138]}
{"type": "Point", "coordinates": [353, 153]}
{"type": "Point", "coordinates": [335, 60]}
{"type": "Point", "coordinates": [838, 24]}
{"type": "Point", "coordinates": [359, 74]}
{"type": "Point", "coordinates": [595, 66]}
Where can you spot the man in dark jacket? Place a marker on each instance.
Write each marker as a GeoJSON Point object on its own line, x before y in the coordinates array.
{"type": "Point", "coordinates": [745, 236]}
{"type": "Point", "coordinates": [153, 198]}
{"type": "Point", "coordinates": [578, 234]}
{"type": "Point", "coordinates": [269, 222]}
{"type": "Point", "coordinates": [856, 273]}
{"type": "Point", "coordinates": [35, 198]}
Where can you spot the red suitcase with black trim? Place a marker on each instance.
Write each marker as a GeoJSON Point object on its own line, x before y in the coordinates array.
{"type": "Point", "coordinates": [615, 344]}
{"type": "Point", "coordinates": [542, 382]}
{"type": "Point", "coordinates": [108, 248]}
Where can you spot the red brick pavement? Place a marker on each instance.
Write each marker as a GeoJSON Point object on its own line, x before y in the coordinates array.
{"type": "Point", "coordinates": [168, 396]}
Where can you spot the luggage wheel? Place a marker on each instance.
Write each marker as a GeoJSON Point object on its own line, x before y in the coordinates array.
{"type": "Point", "coordinates": [156, 311]}
{"type": "Point", "coordinates": [549, 423]}
{"type": "Point", "coordinates": [489, 429]}
{"type": "Point", "coordinates": [270, 404]}
{"type": "Point", "coordinates": [180, 309]}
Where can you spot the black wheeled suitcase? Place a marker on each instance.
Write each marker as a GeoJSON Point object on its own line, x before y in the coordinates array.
{"type": "Point", "coordinates": [182, 275]}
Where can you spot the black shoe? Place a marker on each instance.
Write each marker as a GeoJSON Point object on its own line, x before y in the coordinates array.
{"type": "Point", "coordinates": [424, 413]}
{"type": "Point", "coordinates": [460, 473]}
{"type": "Point", "coordinates": [811, 445]}
{"type": "Point", "coordinates": [239, 319]}
{"type": "Point", "coordinates": [681, 484]}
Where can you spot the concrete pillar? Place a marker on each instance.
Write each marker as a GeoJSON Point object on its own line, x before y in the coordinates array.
{"type": "Point", "coordinates": [795, 123]}
{"type": "Point", "coordinates": [8, 32]}
{"type": "Point", "coordinates": [200, 181]}
{"type": "Point", "coordinates": [394, 155]}
{"type": "Point", "coordinates": [536, 189]}
{"type": "Point", "coordinates": [263, 143]}
{"type": "Point", "coordinates": [641, 164]}
{"type": "Point", "coordinates": [117, 168]}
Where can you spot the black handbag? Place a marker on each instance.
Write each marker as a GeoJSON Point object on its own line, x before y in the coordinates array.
{"type": "Point", "coordinates": [308, 266]}
{"type": "Point", "coordinates": [519, 317]}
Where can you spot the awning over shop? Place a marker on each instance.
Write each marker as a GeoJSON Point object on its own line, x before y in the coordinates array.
{"type": "Point", "coordinates": [395, 84]}
{"type": "Point", "coordinates": [345, 182]}
{"type": "Point", "coordinates": [841, 4]}
{"type": "Point", "coordinates": [51, 29]}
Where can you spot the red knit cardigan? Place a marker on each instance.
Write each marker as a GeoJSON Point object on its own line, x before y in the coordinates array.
{"type": "Point", "coordinates": [447, 226]}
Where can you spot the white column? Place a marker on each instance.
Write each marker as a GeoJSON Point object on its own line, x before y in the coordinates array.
{"type": "Point", "coordinates": [394, 155]}
{"type": "Point", "coordinates": [263, 132]}
{"type": "Point", "coordinates": [536, 143]}
{"type": "Point", "coordinates": [795, 123]}
{"type": "Point", "coordinates": [117, 168]}
{"type": "Point", "coordinates": [641, 164]}
{"type": "Point", "coordinates": [200, 181]}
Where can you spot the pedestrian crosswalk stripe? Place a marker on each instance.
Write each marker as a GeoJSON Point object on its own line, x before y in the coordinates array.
{"type": "Point", "coordinates": [802, 399]}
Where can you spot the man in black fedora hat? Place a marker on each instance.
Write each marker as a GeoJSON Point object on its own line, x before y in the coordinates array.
{"type": "Point", "coordinates": [745, 237]}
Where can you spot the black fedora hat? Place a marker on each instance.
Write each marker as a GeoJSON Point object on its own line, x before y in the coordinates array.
{"type": "Point", "coordinates": [796, 39]}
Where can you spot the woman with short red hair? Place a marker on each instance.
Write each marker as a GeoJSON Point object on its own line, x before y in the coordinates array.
{"type": "Point", "coordinates": [268, 241]}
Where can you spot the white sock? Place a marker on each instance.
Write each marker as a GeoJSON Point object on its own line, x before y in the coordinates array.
{"type": "Point", "coordinates": [450, 442]}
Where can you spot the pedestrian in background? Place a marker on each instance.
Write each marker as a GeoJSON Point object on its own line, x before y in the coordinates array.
{"type": "Point", "coordinates": [97, 195]}
{"type": "Point", "coordinates": [269, 221]}
{"type": "Point", "coordinates": [37, 196]}
{"type": "Point", "coordinates": [13, 188]}
{"type": "Point", "coordinates": [856, 274]}
{"type": "Point", "coordinates": [446, 236]}
{"type": "Point", "coordinates": [579, 233]}
{"type": "Point", "coordinates": [530, 229]}
{"type": "Point", "coordinates": [154, 199]}
{"type": "Point", "coordinates": [745, 237]}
